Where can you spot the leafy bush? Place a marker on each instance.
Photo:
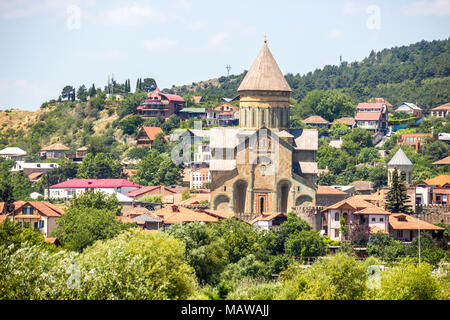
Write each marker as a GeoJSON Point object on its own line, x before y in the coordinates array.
{"type": "Point", "coordinates": [338, 277]}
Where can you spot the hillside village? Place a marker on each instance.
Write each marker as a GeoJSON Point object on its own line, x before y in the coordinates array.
{"type": "Point", "coordinates": [361, 174]}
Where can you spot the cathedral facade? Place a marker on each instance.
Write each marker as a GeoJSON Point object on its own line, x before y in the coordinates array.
{"type": "Point", "coordinates": [263, 167]}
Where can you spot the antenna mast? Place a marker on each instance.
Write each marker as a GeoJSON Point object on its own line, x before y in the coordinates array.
{"type": "Point", "coordinates": [228, 67]}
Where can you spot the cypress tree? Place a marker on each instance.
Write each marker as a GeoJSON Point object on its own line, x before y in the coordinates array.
{"type": "Point", "coordinates": [397, 198]}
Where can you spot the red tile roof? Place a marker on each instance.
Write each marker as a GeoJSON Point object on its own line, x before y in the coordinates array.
{"type": "Point", "coordinates": [144, 190]}
{"type": "Point", "coordinates": [347, 120]}
{"type": "Point", "coordinates": [152, 132]}
{"type": "Point", "coordinates": [46, 208]}
{"type": "Point", "coordinates": [438, 181]}
{"type": "Point", "coordinates": [366, 105]}
{"type": "Point", "coordinates": [411, 223]}
{"type": "Point", "coordinates": [443, 107]}
{"type": "Point", "coordinates": [325, 190]}
{"type": "Point", "coordinates": [369, 116]}
{"type": "Point", "coordinates": [95, 183]}
{"type": "Point", "coordinates": [192, 216]}
{"type": "Point", "coordinates": [56, 147]}
{"type": "Point", "coordinates": [443, 161]}
{"type": "Point", "coordinates": [315, 119]}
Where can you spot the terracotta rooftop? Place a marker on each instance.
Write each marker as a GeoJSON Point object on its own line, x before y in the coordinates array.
{"type": "Point", "coordinates": [438, 181]}
{"type": "Point", "coordinates": [268, 217]}
{"type": "Point", "coordinates": [347, 120]}
{"type": "Point", "coordinates": [362, 185]}
{"type": "Point", "coordinates": [443, 107]}
{"type": "Point", "coordinates": [325, 190]}
{"type": "Point", "coordinates": [144, 190]}
{"type": "Point", "coordinates": [411, 223]}
{"type": "Point", "coordinates": [44, 207]}
{"type": "Point", "coordinates": [361, 206]}
{"type": "Point", "coordinates": [175, 214]}
{"type": "Point", "coordinates": [368, 116]}
{"type": "Point", "coordinates": [152, 132]}
{"type": "Point", "coordinates": [315, 120]}
{"type": "Point", "coordinates": [443, 161]}
{"type": "Point", "coordinates": [264, 74]}
{"type": "Point", "coordinates": [56, 147]}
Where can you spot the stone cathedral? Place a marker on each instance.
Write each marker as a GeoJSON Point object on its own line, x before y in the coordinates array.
{"type": "Point", "coordinates": [263, 167]}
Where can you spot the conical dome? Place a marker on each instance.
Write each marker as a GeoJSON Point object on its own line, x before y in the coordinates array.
{"type": "Point", "coordinates": [400, 158]}
{"type": "Point", "coordinates": [264, 75]}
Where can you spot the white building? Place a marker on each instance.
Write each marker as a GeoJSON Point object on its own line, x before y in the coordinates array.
{"type": "Point", "coordinates": [13, 153]}
{"type": "Point", "coordinates": [66, 189]}
{"type": "Point", "coordinates": [202, 156]}
{"type": "Point", "coordinates": [28, 167]}
{"type": "Point", "coordinates": [356, 213]}
{"type": "Point", "coordinates": [199, 178]}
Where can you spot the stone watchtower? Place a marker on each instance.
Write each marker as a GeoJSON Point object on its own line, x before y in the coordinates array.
{"type": "Point", "coordinates": [264, 95]}
{"type": "Point", "coordinates": [404, 167]}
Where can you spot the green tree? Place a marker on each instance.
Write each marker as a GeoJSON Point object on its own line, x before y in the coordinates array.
{"type": "Point", "coordinates": [97, 103]}
{"type": "Point", "coordinates": [149, 84]}
{"type": "Point", "coordinates": [337, 277]}
{"type": "Point", "coordinates": [138, 152]}
{"type": "Point", "coordinates": [239, 239]}
{"type": "Point", "coordinates": [334, 105]}
{"type": "Point", "coordinates": [131, 124]}
{"type": "Point", "coordinates": [408, 281]}
{"type": "Point", "coordinates": [293, 225]}
{"type": "Point", "coordinates": [100, 166]}
{"type": "Point", "coordinates": [84, 222]}
{"type": "Point", "coordinates": [160, 144]}
{"type": "Point", "coordinates": [130, 103]}
{"type": "Point", "coordinates": [136, 265]}
{"type": "Point", "coordinates": [68, 93]}
{"type": "Point", "coordinates": [305, 244]}
{"type": "Point", "coordinates": [397, 199]}
{"type": "Point", "coordinates": [356, 140]}
{"type": "Point", "coordinates": [67, 169]}
{"type": "Point", "coordinates": [384, 247]}
{"type": "Point", "coordinates": [203, 252]}
{"type": "Point", "coordinates": [156, 168]}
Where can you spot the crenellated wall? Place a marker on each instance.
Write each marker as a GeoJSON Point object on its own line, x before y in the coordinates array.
{"type": "Point", "coordinates": [434, 213]}
{"type": "Point", "coordinates": [312, 215]}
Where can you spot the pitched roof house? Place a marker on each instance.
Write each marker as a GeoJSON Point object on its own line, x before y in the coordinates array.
{"type": "Point", "coordinates": [68, 188]}
{"type": "Point", "coordinates": [317, 121]}
{"type": "Point", "coordinates": [38, 215]}
{"type": "Point", "coordinates": [355, 212]}
{"type": "Point", "coordinates": [410, 108]}
{"type": "Point", "coordinates": [54, 151]}
{"type": "Point", "coordinates": [405, 227]}
{"type": "Point", "coordinates": [372, 117]}
{"type": "Point", "coordinates": [441, 111]}
{"type": "Point", "coordinates": [160, 104]}
{"type": "Point", "coordinates": [13, 153]}
{"type": "Point", "coordinates": [147, 135]}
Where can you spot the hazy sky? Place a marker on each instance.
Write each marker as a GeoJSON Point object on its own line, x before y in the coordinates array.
{"type": "Point", "coordinates": [45, 45]}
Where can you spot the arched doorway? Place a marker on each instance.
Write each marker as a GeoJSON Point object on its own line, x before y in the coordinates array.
{"type": "Point", "coordinates": [303, 201]}
{"type": "Point", "coordinates": [240, 196]}
{"type": "Point", "coordinates": [261, 205]}
{"type": "Point", "coordinates": [221, 203]}
{"type": "Point", "coordinates": [283, 195]}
